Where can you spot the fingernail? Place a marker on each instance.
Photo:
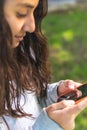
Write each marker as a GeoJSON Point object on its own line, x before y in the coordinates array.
{"type": "Point", "coordinates": [71, 103]}
{"type": "Point", "coordinates": [71, 86]}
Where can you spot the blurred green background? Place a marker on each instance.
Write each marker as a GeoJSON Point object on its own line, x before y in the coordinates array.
{"type": "Point", "coordinates": [67, 37]}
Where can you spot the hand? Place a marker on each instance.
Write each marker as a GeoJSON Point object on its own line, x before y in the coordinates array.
{"type": "Point", "coordinates": [68, 85]}
{"type": "Point", "coordinates": [65, 112]}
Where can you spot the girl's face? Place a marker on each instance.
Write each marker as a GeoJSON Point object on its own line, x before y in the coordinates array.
{"type": "Point", "coordinates": [20, 17]}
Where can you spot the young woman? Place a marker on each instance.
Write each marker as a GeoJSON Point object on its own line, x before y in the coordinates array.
{"type": "Point", "coordinates": [27, 101]}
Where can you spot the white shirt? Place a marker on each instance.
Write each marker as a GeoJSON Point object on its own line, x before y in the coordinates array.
{"type": "Point", "coordinates": [30, 104]}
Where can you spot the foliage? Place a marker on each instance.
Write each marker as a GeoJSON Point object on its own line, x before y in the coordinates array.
{"type": "Point", "coordinates": [67, 37]}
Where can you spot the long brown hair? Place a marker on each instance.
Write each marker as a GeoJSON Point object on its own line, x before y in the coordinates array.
{"type": "Point", "coordinates": [25, 66]}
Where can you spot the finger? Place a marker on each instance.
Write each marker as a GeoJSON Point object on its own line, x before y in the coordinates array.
{"type": "Point", "coordinates": [78, 93]}
{"type": "Point", "coordinates": [61, 105]}
{"type": "Point", "coordinates": [79, 107]}
{"type": "Point", "coordinates": [65, 103]}
{"type": "Point", "coordinates": [77, 84]}
{"type": "Point", "coordinates": [68, 84]}
{"type": "Point", "coordinates": [72, 84]}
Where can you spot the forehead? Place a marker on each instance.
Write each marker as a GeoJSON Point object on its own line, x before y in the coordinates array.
{"type": "Point", "coordinates": [33, 3]}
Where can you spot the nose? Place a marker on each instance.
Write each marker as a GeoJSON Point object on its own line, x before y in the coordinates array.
{"type": "Point", "coordinates": [29, 24]}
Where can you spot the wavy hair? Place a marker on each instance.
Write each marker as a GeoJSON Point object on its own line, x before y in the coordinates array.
{"type": "Point", "coordinates": [26, 66]}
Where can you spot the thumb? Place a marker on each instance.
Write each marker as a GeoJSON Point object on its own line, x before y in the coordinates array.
{"type": "Point", "coordinates": [60, 105]}
{"type": "Point", "coordinates": [79, 106]}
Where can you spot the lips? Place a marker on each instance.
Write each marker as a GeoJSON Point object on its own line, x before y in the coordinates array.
{"type": "Point", "coordinates": [19, 38]}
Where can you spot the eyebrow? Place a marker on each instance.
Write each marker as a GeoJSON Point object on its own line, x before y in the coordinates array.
{"type": "Point", "coordinates": [25, 5]}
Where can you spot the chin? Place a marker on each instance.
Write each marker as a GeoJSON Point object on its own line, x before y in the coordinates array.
{"type": "Point", "coordinates": [16, 44]}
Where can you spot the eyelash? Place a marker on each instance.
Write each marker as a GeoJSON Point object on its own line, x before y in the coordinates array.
{"type": "Point", "coordinates": [19, 15]}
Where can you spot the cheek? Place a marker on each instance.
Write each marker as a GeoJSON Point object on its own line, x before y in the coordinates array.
{"type": "Point", "coordinates": [15, 26]}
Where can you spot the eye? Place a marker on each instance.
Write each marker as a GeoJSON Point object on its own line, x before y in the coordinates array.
{"type": "Point", "coordinates": [21, 15]}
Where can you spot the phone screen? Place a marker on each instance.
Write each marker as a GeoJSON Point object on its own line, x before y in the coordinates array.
{"type": "Point", "coordinates": [83, 89]}
{"type": "Point", "coordinates": [73, 94]}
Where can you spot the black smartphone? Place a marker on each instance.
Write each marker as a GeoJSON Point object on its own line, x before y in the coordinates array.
{"type": "Point", "coordinates": [72, 95]}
